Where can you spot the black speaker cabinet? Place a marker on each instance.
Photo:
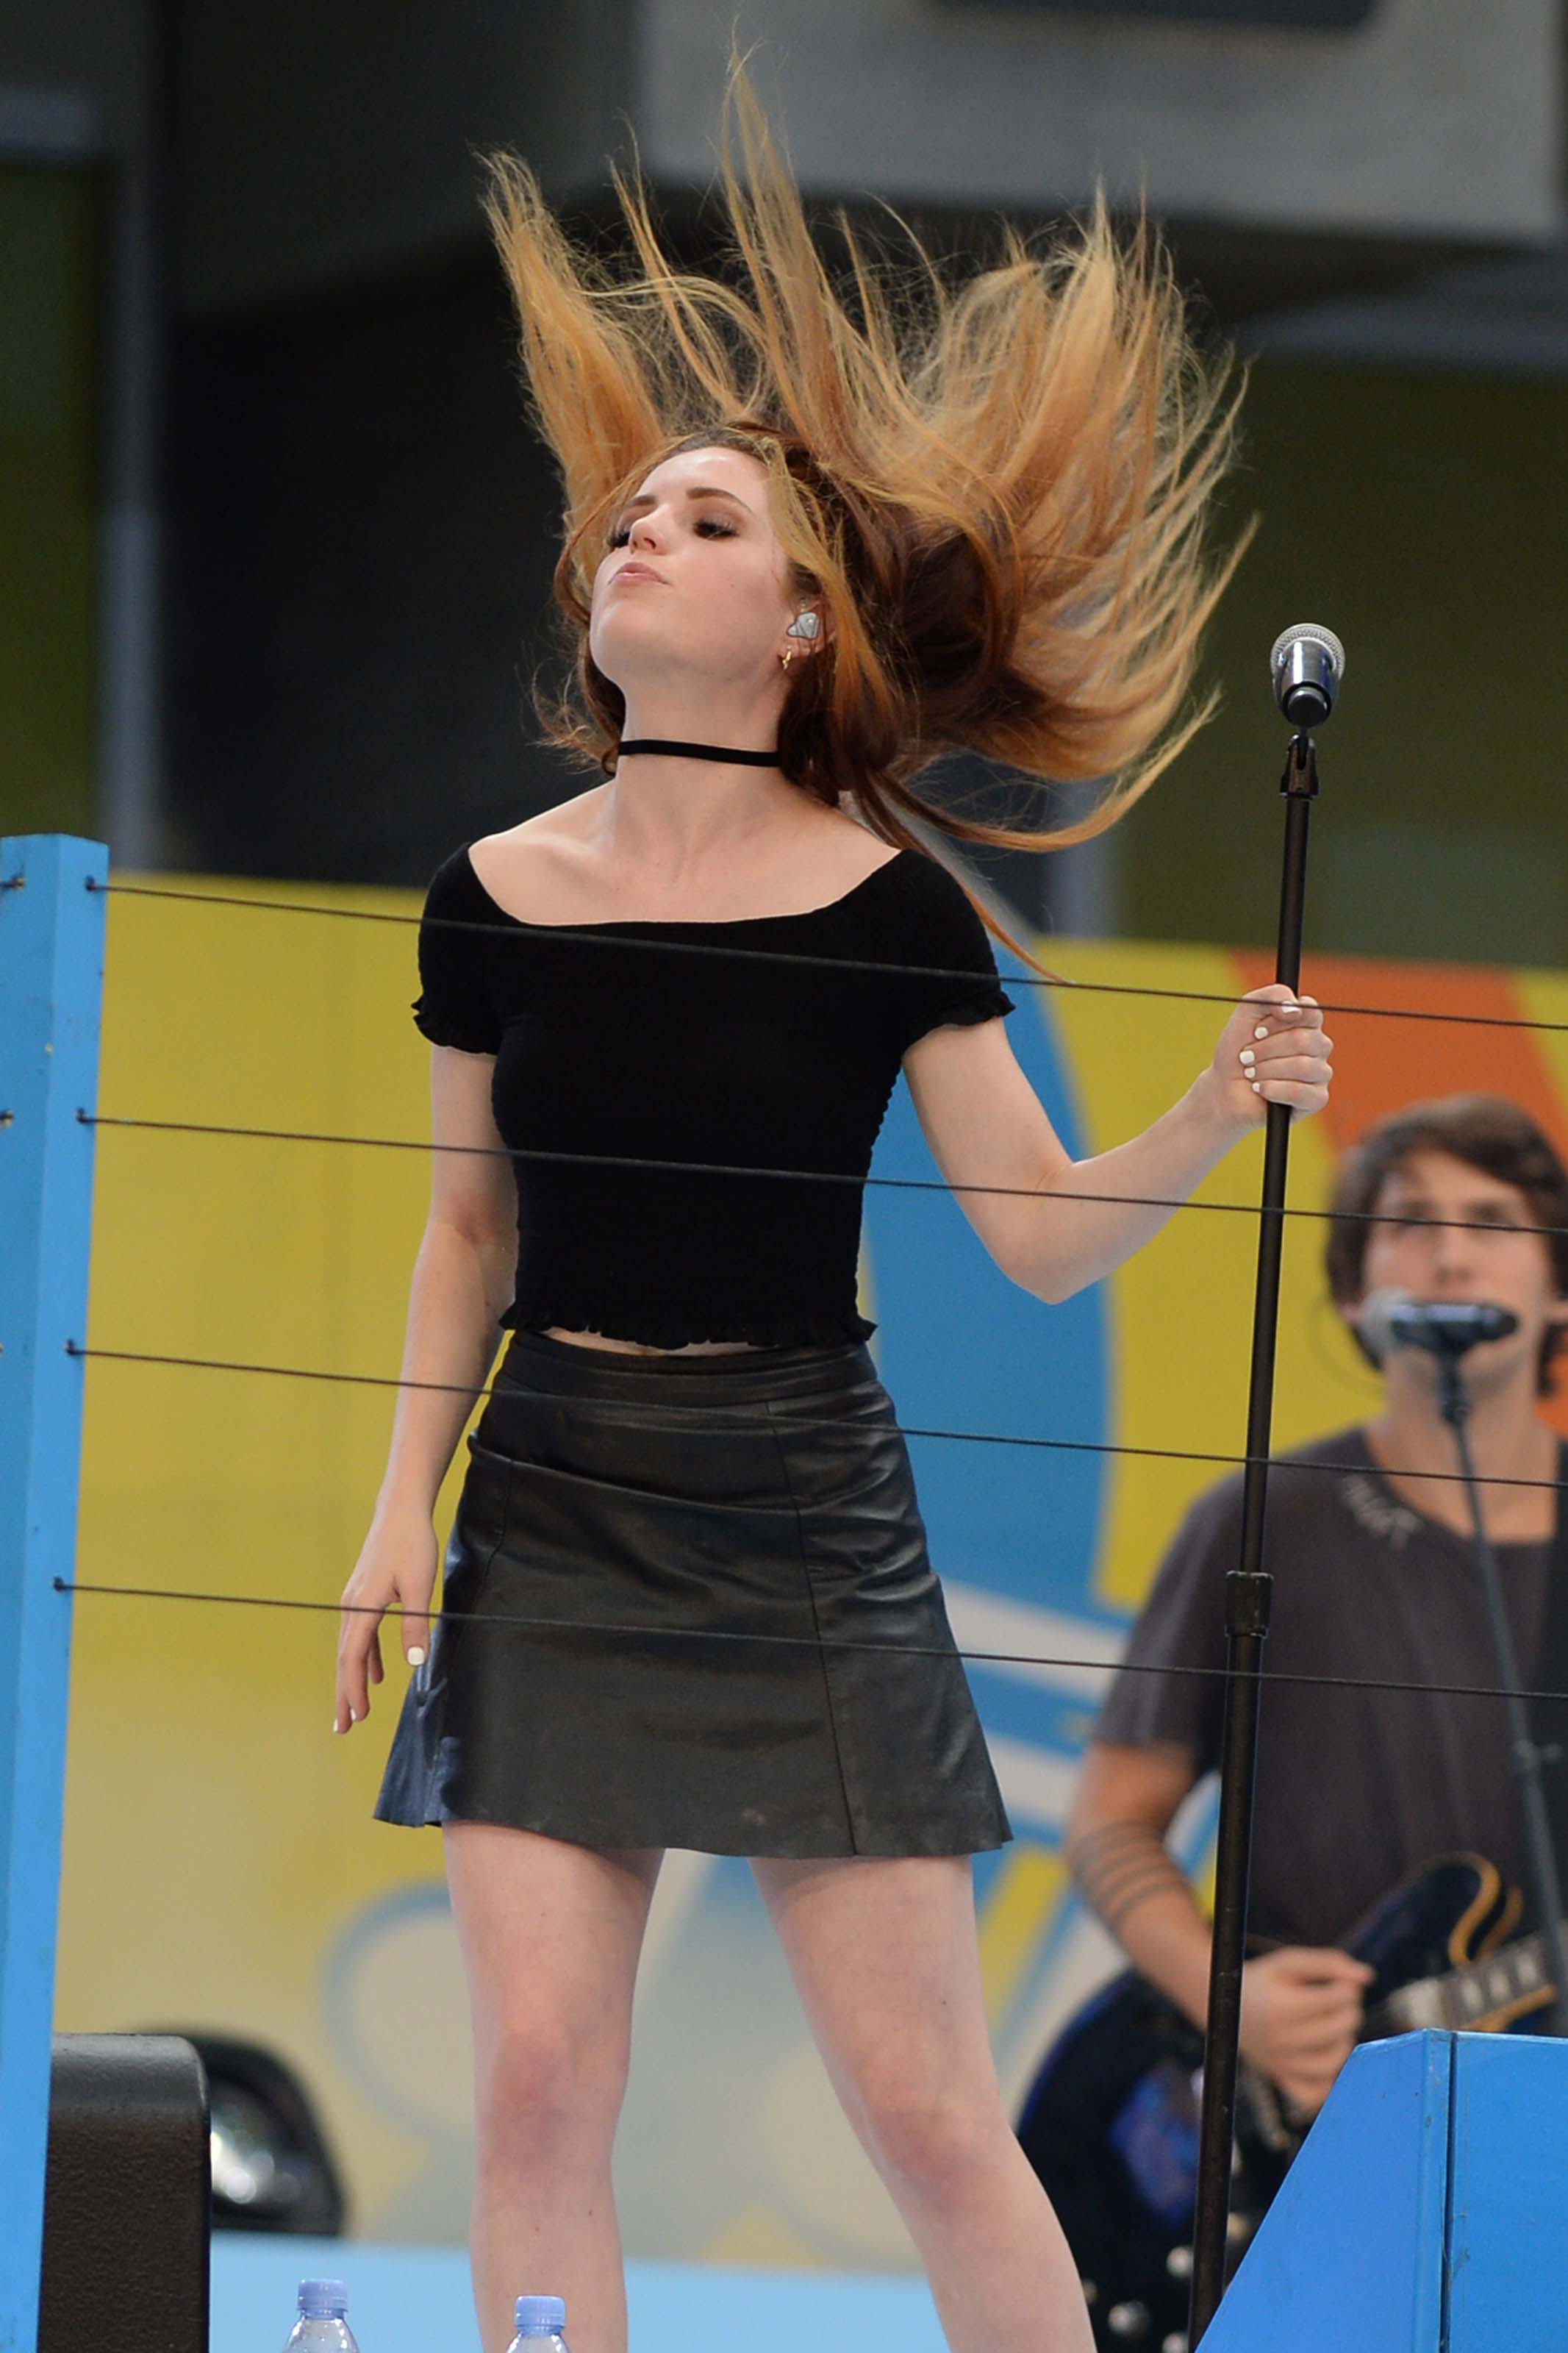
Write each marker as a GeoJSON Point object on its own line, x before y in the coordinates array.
{"type": "Point", "coordinates": [128, 2199]}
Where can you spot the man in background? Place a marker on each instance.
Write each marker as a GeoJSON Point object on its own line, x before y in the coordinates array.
{"type": "Point", "coordinates": [1374, 1578]}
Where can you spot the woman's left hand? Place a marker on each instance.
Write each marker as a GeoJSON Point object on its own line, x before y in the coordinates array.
{"type": "Point", "coordinates": [1274, 1048]}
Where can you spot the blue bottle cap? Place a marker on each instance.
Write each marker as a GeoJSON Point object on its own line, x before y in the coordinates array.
{"type": "Point", "coordinates": [323, 2299]}
{"type": "Point", "coordinates": [540, 2315]}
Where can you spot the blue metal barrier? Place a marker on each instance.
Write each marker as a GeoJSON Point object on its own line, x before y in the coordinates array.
{"type": "Point", "coordinates": [1427, 2213]}
{"type": "Point", "coordinates": [51, 990]}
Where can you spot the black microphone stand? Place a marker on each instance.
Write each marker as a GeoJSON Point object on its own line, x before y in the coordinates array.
{"type": "Point", "coordinates": [1248, 1594]}
{"type": "Point", "coordinates": [1524, 1752]}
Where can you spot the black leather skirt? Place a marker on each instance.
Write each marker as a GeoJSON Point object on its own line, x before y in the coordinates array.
{"type": "Point", "coordinates": [688, 1603]}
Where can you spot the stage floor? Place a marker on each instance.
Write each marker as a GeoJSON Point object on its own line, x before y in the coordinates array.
{"type": "Point", "coordinates": [415, 2300]}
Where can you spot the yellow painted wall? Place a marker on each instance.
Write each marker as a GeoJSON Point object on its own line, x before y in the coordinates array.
{"type": "Point", "coordinates": [1182, 1309]}
{"type": "Point", "coordinates": [214, 1825]}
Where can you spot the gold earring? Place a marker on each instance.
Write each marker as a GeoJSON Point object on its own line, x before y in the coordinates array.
{"type": "Point", "coordinates": [786, 657]}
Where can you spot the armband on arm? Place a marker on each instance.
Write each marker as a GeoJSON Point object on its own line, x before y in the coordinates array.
{"type": "Point", "coordinates": [1122, 1866]}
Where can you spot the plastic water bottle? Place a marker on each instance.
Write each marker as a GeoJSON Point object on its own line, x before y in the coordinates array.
{"type": "Point", "coordinates": [320, 2327]}
{"type": "Point", "coordinates": [540, 2321]}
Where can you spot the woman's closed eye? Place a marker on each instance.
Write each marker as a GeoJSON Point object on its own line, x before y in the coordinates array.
{"type": "Point", "coordinates": [706, 527]}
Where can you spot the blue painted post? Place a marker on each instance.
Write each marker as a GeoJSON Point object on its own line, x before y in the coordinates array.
{"type": "Point", "coordinates": [51, 992]}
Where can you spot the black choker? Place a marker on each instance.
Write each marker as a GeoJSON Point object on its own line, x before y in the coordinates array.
{"type": "Point", "coordinates": [702, 752]}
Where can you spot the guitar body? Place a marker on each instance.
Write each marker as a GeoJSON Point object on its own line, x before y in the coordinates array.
{"type": "Point", "coordinates": [1441, 1918]}
{"type": "Point", "coordinates": [1110, 2121]}
{"type": "Point", "coordinates": [1111, 2126]}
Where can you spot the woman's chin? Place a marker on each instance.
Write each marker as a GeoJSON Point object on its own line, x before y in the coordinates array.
{"type": "Point", "coordinates": [659, 676]}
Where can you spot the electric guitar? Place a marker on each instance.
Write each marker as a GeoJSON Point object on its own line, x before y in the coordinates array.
{"type": "Point", "coordinates": [1110, 2121]}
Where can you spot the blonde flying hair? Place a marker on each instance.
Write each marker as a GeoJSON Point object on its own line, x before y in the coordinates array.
{"type": "Point", "coordinates": [996, 491]}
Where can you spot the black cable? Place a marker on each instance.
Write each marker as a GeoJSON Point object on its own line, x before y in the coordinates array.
{"type": "Point", "coordinates": [516, 928]}
{"type": "Point", "coordinates": [794, 1176]}
{"type": "Point", "coordinates": [792, 1641]}
{"type": "Point", "coordinates": [802, 1421]}
{"type": "Point", "coordinates": [280, 1372]}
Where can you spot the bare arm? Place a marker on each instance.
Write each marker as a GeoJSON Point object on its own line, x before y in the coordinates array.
{"type": "Point", "coordinates": [1125, 1802]}
{"type": "Point", "coordinates": [1300, 2006]}
{"type": "Point", "coordinates": [1053, 1224]}
{"type": "Point", "coordinates": [460, 1288]}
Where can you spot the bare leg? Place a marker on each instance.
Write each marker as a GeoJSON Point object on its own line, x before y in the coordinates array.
{"type": "Point", "coordinates": [885, 1955]}
{"type": "Point", "coordinates": [550, 1935]}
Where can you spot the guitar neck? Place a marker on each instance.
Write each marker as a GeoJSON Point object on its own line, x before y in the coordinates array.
{"type": "Point", "coordinates": [1483, 1993]}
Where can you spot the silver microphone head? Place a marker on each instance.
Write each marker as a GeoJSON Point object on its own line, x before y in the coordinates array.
{"type": "Point", "coordinates": [1306, 669]}
{"type": "Point", "coordinates": [1374, 1319]}
{"type": "Point", "coordinates": [1444, 1327]}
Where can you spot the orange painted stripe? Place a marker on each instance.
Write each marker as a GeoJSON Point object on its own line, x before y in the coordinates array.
{"type": "Point", "coordinates": [1383, 1066]}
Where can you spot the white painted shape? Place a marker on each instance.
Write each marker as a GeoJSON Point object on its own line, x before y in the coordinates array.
{"type": "Point", "coordinates": [992, 1621]}
{"type": "Point", "coordinates": [1036, 1786]}
{"type": "Point", "coordinates": [681, 1882]}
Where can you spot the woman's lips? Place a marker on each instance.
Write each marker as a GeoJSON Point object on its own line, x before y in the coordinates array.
{"type": "Point", "coordinates": [640, 572]}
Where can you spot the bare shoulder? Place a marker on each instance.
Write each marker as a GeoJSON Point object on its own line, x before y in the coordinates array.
{"type": "Point", "coordinates": [534, 869]}
{"type": "Point", "coordinates": [836, 851]}
{"type": "Point", "coordinates": [551, 868]}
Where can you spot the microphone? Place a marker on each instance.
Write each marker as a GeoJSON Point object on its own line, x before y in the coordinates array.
{"type": "Point", "coordinates": [1307, 667]}
{"type": "Point", "coordinates": [1448, 1327]}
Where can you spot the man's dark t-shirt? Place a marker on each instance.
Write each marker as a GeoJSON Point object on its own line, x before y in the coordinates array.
{"type": "Point", "coordinates": [1355, 1789]}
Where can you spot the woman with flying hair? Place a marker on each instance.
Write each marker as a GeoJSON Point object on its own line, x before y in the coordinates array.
{"type": "Point", "coordinates": [811, 541]}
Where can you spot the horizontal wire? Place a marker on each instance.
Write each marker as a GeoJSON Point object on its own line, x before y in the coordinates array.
{"type": "Point", "coordinates": [516, 927]}
{"type": "Point", "coordinates": [804, 1421]}
{"type": "Point", "coordinates": [805, 1176]}
{"type": "Point", "coordinates": [706, 1167]}
{"type": "Point", "coordinates": [817, 1642]}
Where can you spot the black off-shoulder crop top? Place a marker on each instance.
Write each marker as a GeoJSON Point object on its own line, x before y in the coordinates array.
{"type": "Point", "coordinates": [615, 1041]}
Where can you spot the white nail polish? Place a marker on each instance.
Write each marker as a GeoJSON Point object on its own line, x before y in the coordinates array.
{"type": "Point", "coordinates": [1256, 1088]}
{"type": "Point", "coordinates": [353, 1717]}
{"type": "Point", "coordinates": [1248, 1057]}
{"type": "Point", "coordinates": [1260, 1031]}
{"type": "Point", "coordinates": [336, 1725]}
{"type": "Point", "coordinates": [416, 1657]}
